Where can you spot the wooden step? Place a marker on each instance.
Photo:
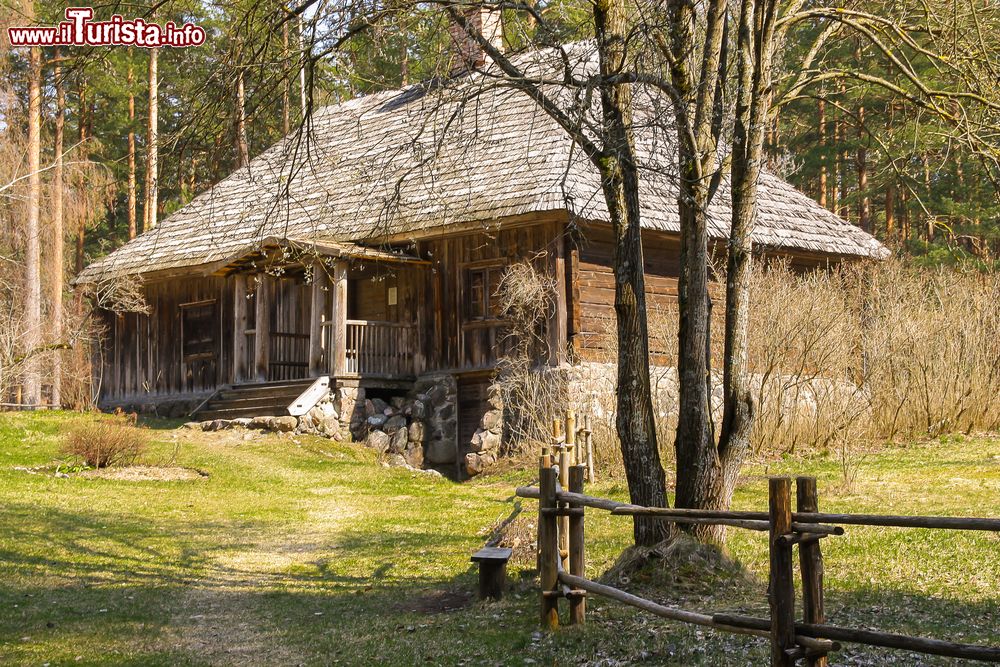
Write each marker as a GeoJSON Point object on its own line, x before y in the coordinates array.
{"type": "Point", "coordinates": [233, 413]}
{"type": "Point", "coordinates": [237, 394]}
{"type": "Point", "coordinates": [253, 402]}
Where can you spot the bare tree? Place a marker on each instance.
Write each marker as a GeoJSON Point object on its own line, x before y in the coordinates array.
{"type": "Point", "coordinates": [57, 261]}
{"type": "Point", "coordinates": [132, 223]}
{"type": "Point", "coordinates": [152, 133]}
{"type": "Point", "coordinates": [32, 259]}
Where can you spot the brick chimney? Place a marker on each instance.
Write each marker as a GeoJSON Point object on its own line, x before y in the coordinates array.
{"type": "Point", "coordinates": [468, 54]}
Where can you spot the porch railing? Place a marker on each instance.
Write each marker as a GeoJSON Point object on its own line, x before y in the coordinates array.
{"type": "Point", "coordinates": [377, 348]}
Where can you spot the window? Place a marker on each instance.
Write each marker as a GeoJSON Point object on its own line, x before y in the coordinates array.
{"type": "Point", "coordinates": [198, 324]}
{"type": "Point", "coordinates": [481, 293]}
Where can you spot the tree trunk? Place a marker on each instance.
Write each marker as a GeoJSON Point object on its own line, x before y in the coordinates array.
{"type": "Point", "coordinates": [755, 47]}
{"type": "Point", "coordinates": [620, 181]}
{"type": "Point", "coordinates": [864, 208]}
{"type": "Point", "coordinates": [132, 223]}
{"type": "Point", "coordinates": [697, 457]}
{"type": "Point", "coordinates": [286, 85]}
{"type": "Point", "coordinates": [890, 210]}
{"type": "Point", "coordinates": [152, 173]}
{"type": "Point", "coordinates": [56, 258]}
{"type": "Point", "coordinates": [822, 155]}
{"type": "Point", "coordinates": [81, 229]}
{"type": "Point", "coordinates": [33, 294]}
{"type": "Point", "coordinates": [242, 147]}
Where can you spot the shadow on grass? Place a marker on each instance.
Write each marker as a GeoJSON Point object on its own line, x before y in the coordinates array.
{"type": "Point", "coordinates": [170, 592]}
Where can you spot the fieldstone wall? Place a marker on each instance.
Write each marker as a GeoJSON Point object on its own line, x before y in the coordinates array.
{"type": "Point", "coordinates": [484, 448]}
{"type": "Point", "coordinates": [417, 430]}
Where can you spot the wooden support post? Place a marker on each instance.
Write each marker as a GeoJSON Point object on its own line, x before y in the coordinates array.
{"type": "Point", "coordinates": [339, 319]}
{"type": "Point", "coordinates": [811, 564]}
{"type": "Point", "coordinates": [262, 328]}
{"type": "Point", "coordinates": [781, 586]}
{"type": "Point", "coordinates": [571, 436]}
{"type": "Point", "coordinates": [317, 314]}
{"type": "Point", "coordinates": [577, 554]}
{"type": "Point", "coordinates": [588, 435]}
{"type": "Point", "coordinates": [557, 327]}
{"type": "Point", "coordinates": [565, 462]}
{"type": "Point", "coordinates": [239, 328]}
{"type": "Point", "coordinates": [548, 572]}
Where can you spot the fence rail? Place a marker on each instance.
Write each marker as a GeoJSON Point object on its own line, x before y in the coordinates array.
{"type": "Point", "coordinates": [561, 561]}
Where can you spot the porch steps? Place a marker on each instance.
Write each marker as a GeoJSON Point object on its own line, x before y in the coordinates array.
{"type": "Point", "coordinates": [253, 400]}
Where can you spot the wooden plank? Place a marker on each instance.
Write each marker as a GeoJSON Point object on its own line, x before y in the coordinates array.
{"type": "Point", "coordinates": [811, 564]}
{"type": "Point", "coordinates": [262, 327]}
{"type": "Point", "coordinates": [339, 318]}
{"type": "Point", "coordinates": [781, 586]}
{"type": "Point", "coordinates": [316, 318]}
{"type": "Point", "coordinates": [239, 327]}
{"type": "Point", "coordinates": [557, 328]}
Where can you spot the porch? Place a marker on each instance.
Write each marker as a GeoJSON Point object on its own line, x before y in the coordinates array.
{"type": "Point", "coordinates": [329, 313]}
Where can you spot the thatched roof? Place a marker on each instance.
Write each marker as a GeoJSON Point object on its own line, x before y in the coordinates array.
{"type": "Point", "coordinates": [467, 151]}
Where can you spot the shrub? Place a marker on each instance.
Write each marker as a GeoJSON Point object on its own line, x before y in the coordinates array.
{"type": "Point", "coordinates": [105, 443]}
{"type": "Point", "coordinates": [848, 359]}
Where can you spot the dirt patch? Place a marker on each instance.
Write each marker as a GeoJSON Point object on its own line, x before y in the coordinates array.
{"type": "Point", "coordinates": [437, 602]}
{"type": "Point", "coordinates": [519, 532]}
{"type": "Point", "coordinates": [146, 474]}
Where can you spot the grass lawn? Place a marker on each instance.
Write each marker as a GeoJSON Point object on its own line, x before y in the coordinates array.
{"type": "Point", "coordinates": [296, 550]}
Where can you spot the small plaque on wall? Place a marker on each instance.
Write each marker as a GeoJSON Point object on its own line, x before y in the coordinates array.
{"type": "Point", "coordinates": [392, 296]}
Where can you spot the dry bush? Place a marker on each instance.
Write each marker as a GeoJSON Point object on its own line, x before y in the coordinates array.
{"type": "Point", "coordinates": [849, 359]}
{"type": "Point", "coordinates": [106, 443]}
{"type": "Point", "coordinates": [530, 394]}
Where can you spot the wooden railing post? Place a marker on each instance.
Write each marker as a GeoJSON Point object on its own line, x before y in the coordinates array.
{"type": "Point", "coordinates": [317, 315]}
{"type": "Point", "coordinates": [338, 288]}
{"type": "Point", "coordinates": [262, 328]}
{"type": "Point", "coordinates": [577, 553]}
{"type": "Point", "coordinates": [781, 586]}
{"type": "Point", "coordinates": [548, 569]}
{"type": "Point", "coordinates": [811, 564]}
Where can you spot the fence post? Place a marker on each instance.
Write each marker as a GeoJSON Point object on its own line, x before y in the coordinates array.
{"type": "Point", "coordinates": [574, 457]}
{"type": "Point", "coordinates": [565, 462]}
{"type": "Point", "coordinates": [781, 586]}
{"type": "Point", "coordinates": [589, 440]}
{"type": "Point", "coordinates": [577, 555]}
{"type": "Point", "coordinates": [811, 564]}
{"type": "Point", "coordinates": [548, 571]}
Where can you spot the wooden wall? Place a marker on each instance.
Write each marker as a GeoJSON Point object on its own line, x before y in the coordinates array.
{"type": "Point", "coordinates": [450, 340]}
{"type": "Point", "coordinates": [142, 356]}
{"type": "Point", "coordinates": [592, 311]}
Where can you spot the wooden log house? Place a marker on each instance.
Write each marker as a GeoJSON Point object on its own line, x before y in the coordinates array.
{"type": "Point", "coordinates": [368, 250]}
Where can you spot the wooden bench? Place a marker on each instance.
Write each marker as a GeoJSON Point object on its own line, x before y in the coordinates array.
{"type": "Point", "coordinates": [492, 571]}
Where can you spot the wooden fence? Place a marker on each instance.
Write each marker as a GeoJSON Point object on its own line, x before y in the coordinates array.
{"type": "Point", "coordinates": [562, 560]}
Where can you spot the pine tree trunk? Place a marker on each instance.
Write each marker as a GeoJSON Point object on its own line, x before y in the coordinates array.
{"type": "Point", "coordinates": [56, 258]}
{"type": "Point", "coordinates": [152, 132]}
{"type": "Point", "coordinates": [81, 229]}
{"type": "Point", "coordinates": [890, 210]}
{"type": "Point", "coordinates": [620, 180]}
{"type": "Point", "coordinates": [132, 222]}
{"type": "Point", "coordinates": [822, 155]}
{"type": "Point", "coordinates": [864, 208]}
{"type": "Point", "coordinates": [286, 85]}
{"type": "Point", "coordinates": [32, 261]}
{"type": "Point", "coordinates": [243, 149]}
